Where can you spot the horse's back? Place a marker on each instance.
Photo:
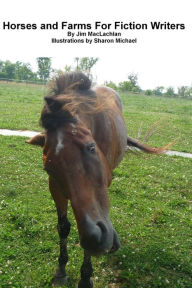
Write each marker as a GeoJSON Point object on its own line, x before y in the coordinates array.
{"type": "Point", "coordinates": [108, 92]}
{"type": "Point", "coordinates": [110, 129]}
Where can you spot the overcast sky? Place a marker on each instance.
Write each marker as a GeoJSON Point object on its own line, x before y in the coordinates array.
{"type": "Point", "coordinates": [160, 58]}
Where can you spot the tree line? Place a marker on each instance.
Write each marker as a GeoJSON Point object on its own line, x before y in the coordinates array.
{"type": "Point", "coordinates": [131, 85]}
{"type": "Point", "coordinates": [182, 92]}
{"type": "Point", "coordinates": [20, 71]}
{"type": "Point", "coordinates": [83, 64]}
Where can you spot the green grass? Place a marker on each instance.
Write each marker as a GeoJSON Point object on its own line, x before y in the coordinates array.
{"type": "Point", "coordinates": [141, 112]}
{"type": "Point", "coordinates": [20, 105]}
{"type": "Point", "coordinates": [151, 205]}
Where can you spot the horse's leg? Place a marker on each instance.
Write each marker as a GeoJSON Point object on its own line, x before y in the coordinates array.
{"type": "Point", "coordinates": [86, 272]}
{"type": "Point", "coordinates": [60, 277]}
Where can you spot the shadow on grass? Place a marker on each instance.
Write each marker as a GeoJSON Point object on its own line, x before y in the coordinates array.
{"type": "Point", "coordinates": [150, 265]}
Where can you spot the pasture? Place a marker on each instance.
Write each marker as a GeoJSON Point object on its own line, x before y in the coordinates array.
{"type": "Point", "coordinates": [151, 201]}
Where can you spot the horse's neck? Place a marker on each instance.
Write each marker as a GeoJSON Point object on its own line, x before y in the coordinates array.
{"type": "Point", "coordinates": [110, 135]}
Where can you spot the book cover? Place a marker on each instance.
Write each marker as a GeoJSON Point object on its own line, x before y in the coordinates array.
{"type": "Point", "coordinates": [138, 56]}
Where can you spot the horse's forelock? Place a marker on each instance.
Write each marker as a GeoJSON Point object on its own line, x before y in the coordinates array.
{"type": "Point", "coordinates": [54, 115]}
{"type": "Point", "coordinates": [71, 95]}
{"type": "Point", "coordinates": [52, 120]}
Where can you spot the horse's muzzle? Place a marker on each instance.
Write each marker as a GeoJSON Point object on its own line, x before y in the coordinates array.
{"type": "Point", "coordinates": [99, 237]}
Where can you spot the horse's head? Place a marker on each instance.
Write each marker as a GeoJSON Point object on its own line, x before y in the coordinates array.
{"type": "Point", "coordinates": [72, 157]}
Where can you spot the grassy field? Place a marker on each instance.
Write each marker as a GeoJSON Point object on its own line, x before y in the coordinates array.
{"type": "Point", "coordinates": [141, 112]}
{"type": "Point", "coordinates": [20, 105]}
{"type": "Point", "coordinates": [151, 202]}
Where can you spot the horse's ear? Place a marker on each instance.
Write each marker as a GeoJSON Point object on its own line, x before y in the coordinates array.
{"type": "Point", "coordinates": [38, 140]}
{"type": "Point", "coordinates": [53, 104]}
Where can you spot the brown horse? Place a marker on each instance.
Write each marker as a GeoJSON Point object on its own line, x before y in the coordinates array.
{"type": "Point", "coordinates": [85, 138]}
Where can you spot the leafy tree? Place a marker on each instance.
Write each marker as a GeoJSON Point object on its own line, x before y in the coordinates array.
{"type": "Point", "coordinates": [111, 85]}
{"type": "Point", "coordinates": [1, 66]}
{"type": "Point", "coordinates": [44, 68]}
{"type": "Point", "coordinates": [9, 69]}
{"type": "Point", "coordinates": [18, 71]}
{"type": "Point", "coordinates": [136, 89]}
{"type": "Point", "coordinates": [68, 68]}
{"type": "Point", "coordinates": [170, 92]}
{"type": "Point", "coordinates": [86, 63]}
{"type": "Point", "coordinates": [133, 78]}
{"type": "Point", "coordinates": [3, 75]}
{"type": "Point", "coordinates": [189, 92]}
{"type": "Point", "coordinates": [148, 92]}
{"type": "Point", "coordinates": [23, 71]}
{"type": "Point", "coordinates": [183, 91]}
{"type": "Point", "coordinates": [158, 90]}
{"type": "Point", "coordinates": [126, 86]}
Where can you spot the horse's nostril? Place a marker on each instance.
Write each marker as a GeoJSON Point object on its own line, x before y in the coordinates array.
{"type": "Point", "coordinates": [97, 233]}
{"type": "Point", "coordinates": [103, 229]}
{"type": "Point", "coordinates": [92, 237]}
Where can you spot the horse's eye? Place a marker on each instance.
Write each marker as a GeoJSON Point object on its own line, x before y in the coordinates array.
{"type": "Point", "coordinates": [91, 147]}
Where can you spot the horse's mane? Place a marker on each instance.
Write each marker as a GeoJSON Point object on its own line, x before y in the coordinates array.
{"type": "Point", "coordinates": [65, 82]}
{"type": "Point", "coordinates": [70, 94]}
